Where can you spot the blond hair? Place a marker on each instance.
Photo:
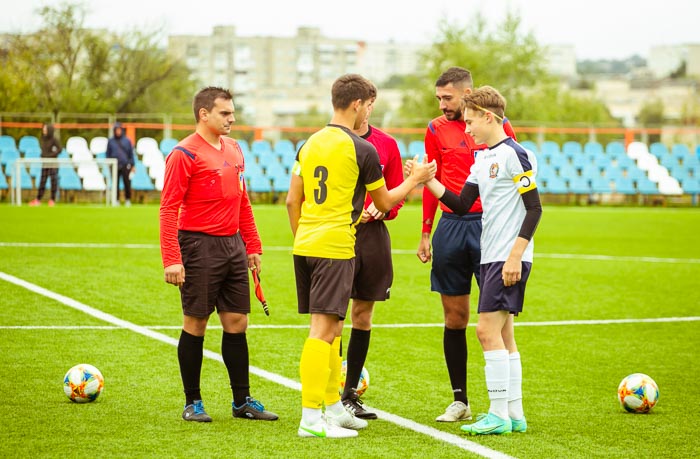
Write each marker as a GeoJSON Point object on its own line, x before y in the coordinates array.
{"type": "Point", "coordinates": [486, 99]}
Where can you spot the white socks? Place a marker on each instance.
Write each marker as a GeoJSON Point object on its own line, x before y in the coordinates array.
{"type": "Point", "coordinates": [497, 370]}
{"type": "Point", "coordinates": [311, 416]}
{"type": "Point", "coordinates": [515, 389]}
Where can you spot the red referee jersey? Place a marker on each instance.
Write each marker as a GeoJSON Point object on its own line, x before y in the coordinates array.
{"type": "Point", "coordinates": [390, 160]}
{"type": "Point", "coordinates": [453, 150]}
{"type": "Point", "coordinates": [204, 191]}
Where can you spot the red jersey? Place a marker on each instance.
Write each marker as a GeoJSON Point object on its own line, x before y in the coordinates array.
{"type": "Point", "coordinates": [390, 160]}
{"type": "Point", "coordinates": [204, 190]}
{"type": "Point", "coordinates": [453, 150]}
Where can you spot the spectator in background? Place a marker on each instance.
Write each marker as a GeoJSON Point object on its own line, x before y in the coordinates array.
{"type": "Point", "coordinates": [50, 148]}
{"type": "Point", "coordinates": [119, 147]}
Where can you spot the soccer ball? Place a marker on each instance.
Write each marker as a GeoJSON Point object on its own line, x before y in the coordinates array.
{"type": "Point", "coordinates": [638, 393]}
{"type": "Point", "coordinates": [83, 383]}
{"type": "Point", "coordinates": [364, 379]}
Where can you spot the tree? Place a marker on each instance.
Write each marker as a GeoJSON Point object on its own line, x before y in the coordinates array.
{"type": "Point", "coordinates": [65, 67]}
{"type": "Point", "coordinates": [505, 58]}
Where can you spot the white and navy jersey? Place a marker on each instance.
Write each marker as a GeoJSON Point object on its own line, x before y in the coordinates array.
{"type": "Point", "coordinates": [502, 173]}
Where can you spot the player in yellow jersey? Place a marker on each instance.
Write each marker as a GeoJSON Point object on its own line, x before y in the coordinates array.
{"type": "Point", "coordinates": [334, 170]}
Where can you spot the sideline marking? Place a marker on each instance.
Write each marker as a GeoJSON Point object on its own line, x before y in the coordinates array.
{"type": "Point", "coordinates": [568, 256]}
{"type": "Point", "coordinates": [452, 439]}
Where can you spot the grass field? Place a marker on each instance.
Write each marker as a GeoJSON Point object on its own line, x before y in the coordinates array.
{"type": "Point", "coordinates": [84, 284]}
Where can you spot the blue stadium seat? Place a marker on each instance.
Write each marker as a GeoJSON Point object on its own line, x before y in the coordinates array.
{"type": "Point", "coordinates": [32, 152]}
{"type": "Point", "coordinates": [8, 155]}
{"type": "Point", "coordinates": [141, 181]}
{"type": "Point", "coordinates": [26, 179]}
{"type": "Point", "coordinates": [261, 146]}
{"type": "Point", "coordinates": [245, 146]}
{"type": "Point", "coordinates": [35, 171]}
{"type": "Point", "coordinates": [166, 145]}
{"type": "Point", "coordinates": [625, 185]}
{"type": "Point", "coordinates": [636, 173]}
{"type": "Point", "coordinates": [28, 142]}
{"type": "Point", "coordinates": [591, 171]}
{"type": "Point", "coordinates": [259, 184]}
{"type": "Point", "coordinates": [614, 172]}
{"type": "Point", "coordinates": [581, 160]}
{"type": "Point", "coordinates": [691, 185]}
{"type": "Point", "coordinates": [403, 149]}
{"type": "Point", "coordinates": [265, 158]}
{"type": "Point", "coordinates": [625, 162]}
{"type": "Point", "coordinates": [615, 148]}
{"type": "Point", "coordinates": [601, 185]}
{"type": "Point", "coordinates": [680, 151]}
{"type": "Point", "coordinates": [557, 160]}
{"type": "Point", "coordinates": [658, 149]}
{"type": "Point", "coordinates": [252, 168]}
{"type": "Point", "coordinates": [275, 169]}
{"type": "Point", "coordinates": [3, 182]}
{"type": "Point", "coordinates": [7, 142]}
{"type": "Point", "coordinates": [593, 148]}
{"type": "Point", "coordinates": [572, 149]}
{"type": "Point", "coordinates": [549, 147]}
{"type": "Point", "coordinates": [545, 172]}
{"type": "Point", "coordinates": [646, 186]}
{"type": "Point", "coordinates": [669, 161]}
{"type": "Point", "coordinates": [602, 160]}
{"type": "Point", "coordinates": [555, 185]}
{"type": "Point", "coordinates": [530, 145]}
{"type": "Point", "coordinates": [280, 183]}
{"type": "Point", "coordinates": [68, 179]}
{"type": "Point", "coordinates": [416, 148]}
{"type": "Point", "coordinates": [567, 171]}
{"type": "Point", "coordinates": [284, 146]}
{"type": "Point", "coordinates": [579, 185]}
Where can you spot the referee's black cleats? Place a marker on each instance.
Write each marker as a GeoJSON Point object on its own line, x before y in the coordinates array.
{"type": "Point", "coordinates": [355, 406]}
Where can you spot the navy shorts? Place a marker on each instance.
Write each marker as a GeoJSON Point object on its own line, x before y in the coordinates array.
{"type": "Point", "coordinates": [374, 272]}
{"type": "Point", "coordinates": [216, 274]}
{"type": "Point", "coordinates": [495, 296]}
{"type": "Point", "coordinates": [456, 254]}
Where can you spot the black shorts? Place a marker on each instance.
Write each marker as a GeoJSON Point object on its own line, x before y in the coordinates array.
{"type": "Point", "coordinates": [216, 274]}
{"type": "Point", "coordinates": [456, 254]}
{"type": "Point", "coordinates": [323, 285]}
{"type": "Point", "coordinates": [494, 296]}
{"type": "Point", "coordinates": [374, 271]}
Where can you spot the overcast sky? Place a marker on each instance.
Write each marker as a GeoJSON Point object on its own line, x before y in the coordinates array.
{"type": "Point", "coordinates": [597, 28]}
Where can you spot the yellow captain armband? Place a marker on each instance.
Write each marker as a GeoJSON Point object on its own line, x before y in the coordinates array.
{"type": "Point", "coordinates": [296, 168]}
{"type": "Point", "coordinates": [525, 182]}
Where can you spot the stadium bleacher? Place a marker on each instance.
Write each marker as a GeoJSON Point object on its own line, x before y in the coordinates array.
{"type": "Point", "coordinates": [571, 168]}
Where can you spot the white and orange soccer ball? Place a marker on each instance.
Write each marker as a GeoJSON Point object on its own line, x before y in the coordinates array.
{"type": "Point", "coordinates": [638, 393]}
{"type": "Point", "coordinates": [83, 383]}
{"type": "Point", "coordinates": [364, 379]}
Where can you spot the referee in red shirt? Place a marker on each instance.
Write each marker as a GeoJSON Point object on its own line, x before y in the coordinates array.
{"type": "Point", "coordinates": [208, 242]}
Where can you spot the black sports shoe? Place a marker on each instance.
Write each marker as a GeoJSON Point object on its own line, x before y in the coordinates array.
{"type": "Point", "coordinates": [355, 406]}
{"type": "Point", "coordinates": [253, 409]}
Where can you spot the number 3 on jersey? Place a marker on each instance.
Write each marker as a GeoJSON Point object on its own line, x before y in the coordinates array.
{"type": "Point", "coordinates": [321, 193]}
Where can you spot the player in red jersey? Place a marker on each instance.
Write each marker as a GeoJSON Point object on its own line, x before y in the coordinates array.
{"type": "Point", "coordinates": [456, 248]}
{"type": "Point", "coordinates": [208, 242]}
{"type": "Point", "coordinates": [374, 272]}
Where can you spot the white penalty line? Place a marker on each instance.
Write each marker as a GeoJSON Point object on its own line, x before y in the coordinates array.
{"type": "Point", "coordinates": [452, 439]}
{"type": "Point", "coordinates": [551, 323]}
{"type": "Point", "coordinates": [563, 256]}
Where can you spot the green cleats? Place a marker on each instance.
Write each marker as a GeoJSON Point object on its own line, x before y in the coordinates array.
{"type": "Point", "coordinates": [489, 424]}
{"type": "Point", "coordinates": [519, 425]}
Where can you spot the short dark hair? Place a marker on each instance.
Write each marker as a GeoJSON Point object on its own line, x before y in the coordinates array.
{"type": "Point", "coordinates": [350, 87]}
{"type": "Point", "coordinates": [206, 98]}
{"type": "Point", "coordinates": [455, 75]}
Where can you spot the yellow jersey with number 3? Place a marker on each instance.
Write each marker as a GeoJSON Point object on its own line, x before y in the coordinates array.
{"type": "Point", "coordinates": [337, 168]}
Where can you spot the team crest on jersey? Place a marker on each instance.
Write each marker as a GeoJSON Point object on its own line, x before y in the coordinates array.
{"type": "Point", "coordinates": [493, 170]}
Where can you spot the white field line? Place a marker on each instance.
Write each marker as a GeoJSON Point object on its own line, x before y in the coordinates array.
{"type": "Point", "coordinates": [567, 256]}
{"type": "Point", "coordinates": [555, 323]}
{"type": "Point", "coordinates": [452, 439]}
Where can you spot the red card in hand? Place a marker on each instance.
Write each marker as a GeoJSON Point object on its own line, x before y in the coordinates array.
{"type": "Point", "coordinates": [259, 293]}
